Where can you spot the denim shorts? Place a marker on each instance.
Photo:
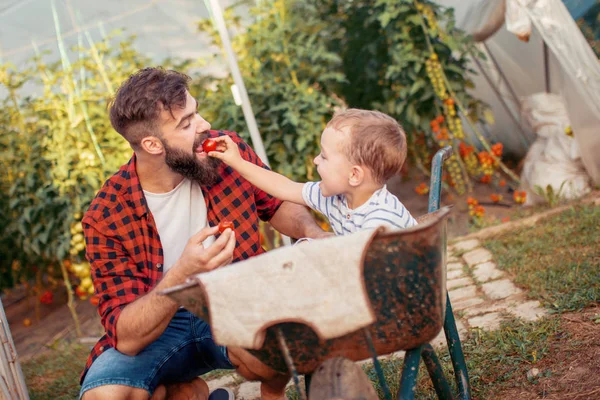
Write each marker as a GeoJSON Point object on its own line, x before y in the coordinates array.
{"type": "Point", "coordinates": [184, 351]}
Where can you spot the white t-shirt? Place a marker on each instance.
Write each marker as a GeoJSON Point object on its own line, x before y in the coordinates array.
{"type": "Point", "coordinates": [178, 214]}
{"type": "Point", "coordinates": [382, 208]}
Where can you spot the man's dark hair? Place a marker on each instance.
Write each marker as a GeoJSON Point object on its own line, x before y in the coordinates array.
{"type": "Point", "coordinates": [135, 109]}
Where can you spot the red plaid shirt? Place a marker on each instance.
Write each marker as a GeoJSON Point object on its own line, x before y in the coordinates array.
{"type": "Point", "coordinates": [123, 246]}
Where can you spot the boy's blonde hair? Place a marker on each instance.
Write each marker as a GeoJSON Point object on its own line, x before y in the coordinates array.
{"type": "Point", "coordinates": [377, 141]}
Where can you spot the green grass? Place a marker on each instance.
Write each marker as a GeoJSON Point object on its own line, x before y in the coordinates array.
{"type": "Point", "coordinates": [495, 360]}
{"type": "Point", "coordinates": [501, 358]}
{"type": "Point", "coordinates": [556, 261]}
{"type": "Point", "coordinates": [55, 375]}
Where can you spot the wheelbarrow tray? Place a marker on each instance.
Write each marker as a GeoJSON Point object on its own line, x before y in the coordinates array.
{"type": "Point", "coordinates": [405, 279]}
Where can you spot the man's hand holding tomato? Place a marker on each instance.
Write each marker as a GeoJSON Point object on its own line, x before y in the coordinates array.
{"type": "Point", "coordinates": [197, 259]}
{"type": "Point", "coordinates": [225, 225]}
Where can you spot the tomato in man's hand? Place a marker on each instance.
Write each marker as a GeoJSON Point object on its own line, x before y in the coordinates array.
{"type": "Point", "coordinates": [225, 225]}
{"type": "Point", "coordinates": [209, 145]}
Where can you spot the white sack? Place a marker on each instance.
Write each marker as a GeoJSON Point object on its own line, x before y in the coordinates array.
{"type": "Point", "coordinates": [554, 158]}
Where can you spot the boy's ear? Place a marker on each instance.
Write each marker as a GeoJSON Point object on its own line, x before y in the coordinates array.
{"type": "Point", "coordinates": [357, 175]}
{"type": "Point", "coordinates": [152, 145]}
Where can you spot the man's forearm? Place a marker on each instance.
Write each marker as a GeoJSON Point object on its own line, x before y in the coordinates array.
{"type": "Point", "coordinates": [144, 320]}
{"type": "Point", "coordinates": [296, 221]}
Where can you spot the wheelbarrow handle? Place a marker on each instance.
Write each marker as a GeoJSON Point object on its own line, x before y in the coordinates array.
{"type": "Point", "coordinates": [444, 153]}
{"type": "Point", "coordinates": [435, 187]}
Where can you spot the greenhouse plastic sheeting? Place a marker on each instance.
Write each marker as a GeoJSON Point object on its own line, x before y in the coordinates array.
{"type": "Point", "coordinates": [580, 71]}
{"type": "Point", "coordinates": [574, 72]}
{"type": "Point", "coordinates": [164, 28]}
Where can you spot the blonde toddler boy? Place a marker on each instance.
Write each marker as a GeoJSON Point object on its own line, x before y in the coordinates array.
{"type": "Point", "coordinates": [360, 151]}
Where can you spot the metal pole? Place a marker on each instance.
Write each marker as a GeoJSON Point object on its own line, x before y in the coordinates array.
{"type": "Point", "coordinates": [219, 21]}
{"type": "Point", "coordinates": [452, 338]}
{"type": "Point", "coordinates": [435, 187]}
{"type": "Point", "coordinates": [4, 392]}
{"type": "Point", "coordinates": [6, 374]}
{"type": "Point", "coordinates": [546, 67]}
{"type": "Point", "coordinates": [512, 91]}
{"type": "Point", "coordinates": [410, 370]}
{"type": "Point", "coordinates": [11, 365]}
{"type": "Point", "coordinates": [461, 375]}
{"type": "Point", "coordinates": [436, 373]}
{"type": "Point", "coordinates": [382, 382]}
{"type": "Point", "coordinates": [214, 7]}
{"type": "Point", "coordinates": [289, 362]}
{"type": "Point", "coordinates": [502, 101]}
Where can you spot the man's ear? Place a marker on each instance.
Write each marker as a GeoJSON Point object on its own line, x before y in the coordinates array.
{"type": "Point", "coordinates": [152, 145]}
{"type": "Point", "coordinates": [357, 175]}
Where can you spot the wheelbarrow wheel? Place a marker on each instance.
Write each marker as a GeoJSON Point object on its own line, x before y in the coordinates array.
{"type": "Point", "coordinates": [340, 378]}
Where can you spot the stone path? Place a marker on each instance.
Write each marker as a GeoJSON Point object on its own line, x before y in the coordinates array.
{"type": "Point", "coordinates": [481, 295]}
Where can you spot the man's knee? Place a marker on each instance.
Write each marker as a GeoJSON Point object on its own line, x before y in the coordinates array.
{"type": "Point", "coordinates": [252, 368]}
{"type": "Point", "coordinates": [116, 392]}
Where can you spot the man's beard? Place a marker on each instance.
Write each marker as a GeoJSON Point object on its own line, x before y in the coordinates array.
{"type": "Point", "coordinates": [205, 173]}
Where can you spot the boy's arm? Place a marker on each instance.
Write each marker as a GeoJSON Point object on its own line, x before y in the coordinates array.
{"type": "Point", "coordinates": [271, 182]}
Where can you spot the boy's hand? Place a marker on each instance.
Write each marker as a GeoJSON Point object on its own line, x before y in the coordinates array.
{"type": "Point", "coordinates": [227, 151]}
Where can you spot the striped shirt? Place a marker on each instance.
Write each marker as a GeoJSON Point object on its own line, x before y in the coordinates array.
{"type": "Point", "coordinates": [382, 208]}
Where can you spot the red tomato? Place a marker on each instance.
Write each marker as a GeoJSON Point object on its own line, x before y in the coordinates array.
{"type": "Point", "coordinates": [225, 225]}
{"type": "Point", "coordinates": [47, 297]}
{"type": "Point", "coordinates": [209, 145]}
{"type": "Point", "coordinates": [94, 300]}
{"type": "Point", "coordinates": [80, 293]}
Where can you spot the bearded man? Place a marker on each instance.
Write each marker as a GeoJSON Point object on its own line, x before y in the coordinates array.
{"type": "Point", "coordinates": [154, 224]}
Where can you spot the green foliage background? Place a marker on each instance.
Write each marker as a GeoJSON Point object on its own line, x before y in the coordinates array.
{"type": "Point", "coordinates": [288, 72]}
{"type": "Point", "coordinates": [300, 60]}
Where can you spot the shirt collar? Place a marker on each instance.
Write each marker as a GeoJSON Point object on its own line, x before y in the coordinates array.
{"type": "Point", "coordinates": [134, 193]}
{"type": "Point", "coordinates": [378, 195]}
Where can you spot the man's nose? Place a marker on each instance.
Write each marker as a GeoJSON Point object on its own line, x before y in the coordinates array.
{"type": "Point", "coordinates": [203, 125]}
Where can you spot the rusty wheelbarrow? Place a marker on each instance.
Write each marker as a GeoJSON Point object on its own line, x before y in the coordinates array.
{"type": "Point", "coordinates": [356, 296]}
